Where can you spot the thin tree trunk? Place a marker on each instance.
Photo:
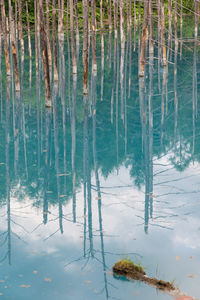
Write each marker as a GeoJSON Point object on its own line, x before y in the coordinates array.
{"type": "Point", "coordinates": [29, 33]}
{"type": "Point", "coordinates": [101, 14]}
{"type": "Point", "coordinates": [143, 41]}
{"type": "Point", "coordinates": [5, 38]}
{"type": "Point", "coordinates": [48, 38]}
{"type": "Point", "coordinates": [151, 44]}
{"type": "Point", "coordinates": [115, 16]}
{"type": "Point", "coordinates": [163, 32]}
{"type": "Point", "coordinates": [175, 25]}
{"type": "Point", "coordinates": [169, 27]}
{"type": "Point", "coordinates": [94, 58]}
{"type": "Point", "coordinates": [55, 63]}
{"type": "Point", "coordinates": [36, 37]}
{"type": "Point", "coordinates": [21, 30]}
{"type": "Point", "coordinates": [77, 23]}
{"type": "Point", "coordinates": [45, 58]}
{"type": "Point", "coordinates": [122, 23]}
{"type": "Point", "coordinates": [196, 3]}
{"type": "Point", "coordinates": [181, 29]}
{"type": "Point", "coordinates": [85, 47]}
{"type": "Point", "coordinates": [74, 65]}
{"type": "Point", "coordinates": [16, 13]}
{"type": "Point", "coordinates": [109, 15]}
{"type": "Point", "coordinates": [14, 48]}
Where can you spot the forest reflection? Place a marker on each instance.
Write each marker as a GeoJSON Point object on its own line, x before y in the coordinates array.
{"type": "Point", "coordinates": [124, 120]}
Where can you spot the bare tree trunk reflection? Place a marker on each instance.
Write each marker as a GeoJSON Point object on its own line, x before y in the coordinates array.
{"type": "Point", "coordinates": [56, 147]}
{"type": "Point", "coordinates": [73, 134]}
{"type": "Point", "coordinates": [47, 163]}
{"type": "Point", "coordinates": [7, 146]}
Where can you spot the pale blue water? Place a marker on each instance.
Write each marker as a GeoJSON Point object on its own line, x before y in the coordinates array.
{"type": "Point", "coordinates": [141, 199]}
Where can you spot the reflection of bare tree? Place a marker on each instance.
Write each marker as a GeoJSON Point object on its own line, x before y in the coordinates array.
{"type": "Point", "coordinates": [56, 147]}
{"type": "Point", "coordinates": [38, 119]}
{"type": "Point", "coordinates": [73, 133]}
{"type": "Point", "coordinates": [117, 106]}
{"type": "Point", "coordinates": [99, 199]}
{"type": "Point", "coordinates": [122, 77]}
{"type": "Point", "coordinates": [102, 64]}
{"type": "Point", "coordinates": [7, 170]}
{"type": "Point", "coordinates": [1, 71]}
{"type": "Point", "coordinates": [194, 94]}
{"type": "Point", "coordinates": [175, 93]}
{"type": "Point", "coordinates": [47, 163]}
{"type": "Point", "coordinates": [87, 181]}
{"type": "Point", "coordinates": [147, 141]}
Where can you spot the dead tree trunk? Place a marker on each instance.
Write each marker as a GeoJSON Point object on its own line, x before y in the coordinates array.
{"type": "Point", "coordinates": [55, 63]}
{"type": "Point", "coordinates": [85, 47]}
{"type": "Point", "coordinates": [14, 48]}
{"type": "Point", "coordinates": [94, 58]}
{"type": "Point", "coordinates": [143, 41]}
{"type": "Point", "coordinates": [122, 23]}
{"type": "Point", "coordinates": [151, 46]}
{"type": "Point", "coordinates": [21, 31]}
{"type": "Point", "coordinates": [36, 37]}
{"type": "Point", "coordinates": [5, 38]}
{"type": "Point", "coordinates": [175, 25]}
{"type": "Point", "coordinates": [74, 65]}
{"type": "Point", "coordinates": [110, 15]}
{"type": "Point", "coordinates": [77, 23]}
{"type": "Point", "coordinates": [169, 27]}
{"type": "Point", "coordinates": [45, 57]}
{"type": "Point", "coordinates": [196, 19]}
{"type": "Point", "coordinates": [163, 32]}
{"type": "Point", "coordinates": [29, 33]}
{"type": "Point", "coordinates": [115, 16]}
{"type": "Point", "coordinates": [48, 38]}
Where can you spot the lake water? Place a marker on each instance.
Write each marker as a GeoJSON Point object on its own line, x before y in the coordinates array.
{"type": "Point", "coordinates": [95, 179]}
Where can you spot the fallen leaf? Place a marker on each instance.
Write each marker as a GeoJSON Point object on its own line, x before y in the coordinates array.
{"type": "Point", "coordinates": [47, 279]}
{"type": "Point", "coordinates": [191, 275]}
{"type": "Point", "coordinates": [35, 272]}
{"type": "Point", "coordinates": [88, 281]}
{"type": "Point", "coordinates": [191, 257]}
{"type": "Point", "coordinates": [65, 174]}
{"type": "Point", "coordinates": [177, 258]}
{"type": "Point", "coordinates": [184, 298]}
{"type": "Point", "coordinates": [2, 280]}
{"type": "Point", "coordinates": [25, 286]}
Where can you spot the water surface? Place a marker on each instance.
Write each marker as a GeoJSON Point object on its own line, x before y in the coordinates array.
{"type": "Point", "coordinates": [98, 178]}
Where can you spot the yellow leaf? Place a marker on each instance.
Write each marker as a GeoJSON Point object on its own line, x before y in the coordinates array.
{"type": "Point", "coordinates": [25, 286]}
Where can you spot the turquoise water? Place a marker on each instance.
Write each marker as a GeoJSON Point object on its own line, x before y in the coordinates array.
{"type": "Point", "coordinates": [95, 179]}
